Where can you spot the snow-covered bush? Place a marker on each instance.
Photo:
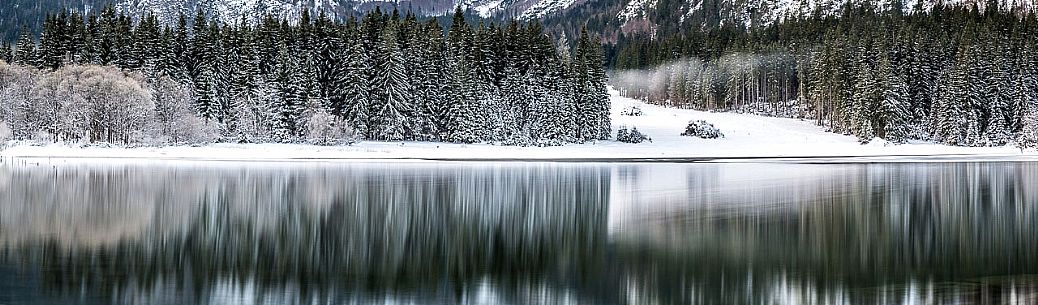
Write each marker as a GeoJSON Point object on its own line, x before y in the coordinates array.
{"type": "Point", "coordinates": [175, 120]}
{"type": "Point", "coordinates": [631, 136]}
{"type": "Point", "coordinates": [1029, 133]}
{"type": "Point", "coordinates": [5, 131]}
{"type": "Point", "coordinates": [632, 111]}
{"type": "Point", "coordinates": [702, 129]}
{"type": "Point", "coordinates": [323, 128]}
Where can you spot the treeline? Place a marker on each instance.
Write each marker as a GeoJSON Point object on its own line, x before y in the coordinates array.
{"type": "Point", "coordinates": [383, 77]}
{"type": "Point", "coordinates": [953, 75]}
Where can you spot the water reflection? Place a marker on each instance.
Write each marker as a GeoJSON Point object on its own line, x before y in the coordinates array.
{"type": "Point", "coordinates": [518, 233]}
{"type": "Point", "coordinates": [955, 233]}
{"type": "Point", "coordinates": [360, 233]}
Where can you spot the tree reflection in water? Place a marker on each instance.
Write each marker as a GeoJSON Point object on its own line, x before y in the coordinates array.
{"type": "Point", "coordinates": [519, 233]}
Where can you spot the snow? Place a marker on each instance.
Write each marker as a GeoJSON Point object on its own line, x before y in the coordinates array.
{"type": "Point", "coordinates": [635, 9]}
{"type": "Point", "coordinates": [747, 138]}
{"type": "Point", "coordinates": [486, 10]}
{"type": "Point", "coordinates": [545, 7]}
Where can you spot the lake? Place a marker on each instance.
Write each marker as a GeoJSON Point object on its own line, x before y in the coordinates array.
{"type": "Point", "coordinates": [518, 233]}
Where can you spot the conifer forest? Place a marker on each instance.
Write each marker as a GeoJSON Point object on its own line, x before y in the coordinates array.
{"type": "Point", "coordinates": [954, 75]}
{"type": "Point", "coordinates": [106, 77]}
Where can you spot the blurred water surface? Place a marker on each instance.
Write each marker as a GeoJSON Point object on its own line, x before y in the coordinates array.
{"type": "Point", "coordinates": [518, 233]}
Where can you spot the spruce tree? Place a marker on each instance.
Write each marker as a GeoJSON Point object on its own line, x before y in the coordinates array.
{"type": "Point", "coordinates": [392, 100]}
{"type": "Point", "coordinates": [465, 123]}
{"type": "Point", "coordinates": [866, 96]}
{"type": "Point", "coordinates": [25, 49]}
{"type": "Point", "coordinates": [1029, 132]}
{"type": "Point", "coordinates": [286, 108]}
{"type": "Point", "coordinates": [950, 111]}
{"type": "Point", "coordinates": [52, 47]}
{"type": "Point", "coordinates": [895, 105]}
{"type": "Point", "coordinates": [5, 52]}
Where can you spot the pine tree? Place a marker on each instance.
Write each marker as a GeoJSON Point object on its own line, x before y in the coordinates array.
{"type": "Point", "coordinates": [515, 105]}
{"type": "Point", "coordinates": [25, 49]}
{"type": "Point", "coordinates": [585, 102]}
{"type": "Point", "coordinates": [52, 45]}
{"type": "Point", "coordinates": [427, 76]}
{"type": "Point", "coordinates": [950, 110]}
{"type": "Point", "coordinates": [392, 100]}
{"type": "Point", "coordinates": [978, 93]}
{"type": "Point", "coordinates": [1029, 134]}
{"type": "Point", "coordinates": [347, 81]}
{"type": "Point", "coordinates": [148, 44]}
{"type": "Point", "coordinates": [596, 89]}
{"type": "Point", "coordinates": [5, 52]}
{"type": "Point", "coordinates": [78, 38]}
{"type": "Point", "coordinates": [866, 96]}
{"type": "Point", "coordinates": [895, 105]}
{"type": "Point", "coordinates": [465, 122]}
{"type": "Point", "coordinates": [286, 107]}
{"type": "Point", "coordinates": [127, 54]}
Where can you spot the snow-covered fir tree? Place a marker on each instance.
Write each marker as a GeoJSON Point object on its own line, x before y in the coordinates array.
{"type": "Point", "coordinates": [391, 101]}
{"type": "Point", "coordinates": [895, 104]}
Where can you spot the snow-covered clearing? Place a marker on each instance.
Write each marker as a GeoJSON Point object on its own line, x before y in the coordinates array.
{"type": "Point", "coordinates": [746, 137]}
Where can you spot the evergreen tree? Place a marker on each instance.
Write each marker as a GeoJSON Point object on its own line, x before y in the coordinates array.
{"type": "Point", "coordinates": [392, 100]}
{"type": "Point", "coordinates": [895, 105]}
{"type": "Point", "coordinates": [465, 121]}
{"type": "Point", "coordinates": [286, 107]}
{"type": "Point", "coordinates": [867, 94]}
{"type": "Point", "coordinates": [5, 52]}
{"type": "Point", "coordinates": [951, 109]}
{"type": "Point", "coordinates": [1029, 133]}
{"type": "Point", "coordinates": [52, 43]}
{"type": "Point", "coordinates": [25, 50]}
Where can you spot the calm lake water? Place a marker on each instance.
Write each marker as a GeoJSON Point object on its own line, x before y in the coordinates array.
{"type": "Point", "coordinates": [519, 233]}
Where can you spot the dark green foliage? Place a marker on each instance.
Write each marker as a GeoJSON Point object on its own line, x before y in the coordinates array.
{"type": "Point", "coordinates": [386, 77]}
{"type": "Point", "coordinates": [631, 136]}
{"type": "Point", "coordinates": [951, 75]}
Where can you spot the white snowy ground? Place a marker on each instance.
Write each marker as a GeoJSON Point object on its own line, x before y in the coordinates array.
{"type": "Point", "coordinates": [746, 136]}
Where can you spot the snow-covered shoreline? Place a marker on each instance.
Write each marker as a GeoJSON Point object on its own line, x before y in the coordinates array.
{"type": "Point", "coordinates": [747, 138]}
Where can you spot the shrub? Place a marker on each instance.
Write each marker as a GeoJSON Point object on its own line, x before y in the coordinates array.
{"type": "Point", "coordinates": [632, 111]}
{"type": "Point", "coordinates": [702, 129]}
{"type": "Point", "coordinates": [323, 128]}
{"type": "Point", "coordinates": [632, 136]}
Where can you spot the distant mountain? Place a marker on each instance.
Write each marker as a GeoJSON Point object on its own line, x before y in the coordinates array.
{"type": "Point", "coordinates": [752, 13]}
{"type": "Point", "coordinates": [236, 10]}
{"type": "Point", "coordinates": [17, 13]}
{"type": "Point", "coordinates": [609, 18]}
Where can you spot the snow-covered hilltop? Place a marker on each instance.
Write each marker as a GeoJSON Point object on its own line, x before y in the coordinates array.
{"type": "Point", "coordinates": [755, 13]}
{"type": "Point", "coordinates": [746, 136]}
{"type": "Point", "coordinates": [232, 11]}
{"type": "Point", "coordinates": [631, 15]}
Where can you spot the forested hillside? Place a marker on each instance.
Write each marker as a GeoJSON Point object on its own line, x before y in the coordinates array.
{"type": "Point", "coordinates": [18, 14]}
{"type": "Point", "coordinates": [954, 75]}
{"type": "Point", "coordinates": [384, 77]}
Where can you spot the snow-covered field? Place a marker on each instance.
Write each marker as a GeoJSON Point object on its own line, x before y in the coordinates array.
{"type": "Point", "coordinates": [746, 136]}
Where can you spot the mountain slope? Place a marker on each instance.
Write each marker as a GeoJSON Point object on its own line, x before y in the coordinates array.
{"type": "Point", "coordinates": [14, 14]}
{"type": "Point", "coordinates": [605, 17]}
{"type": "Point", "coordinates": [236, 10]}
